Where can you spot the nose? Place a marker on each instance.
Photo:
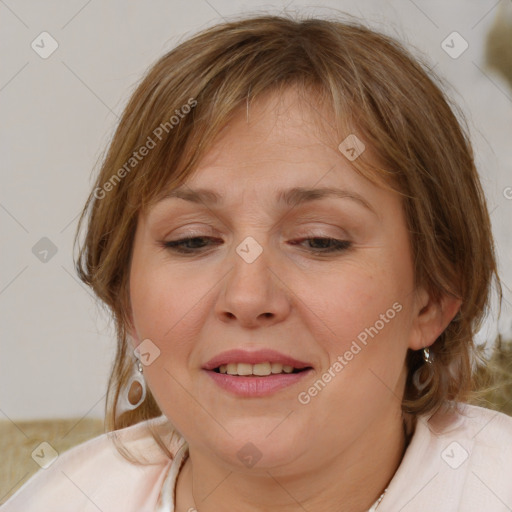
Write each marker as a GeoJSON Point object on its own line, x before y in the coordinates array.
{"type": "Point", "coordinates": [254, 293]}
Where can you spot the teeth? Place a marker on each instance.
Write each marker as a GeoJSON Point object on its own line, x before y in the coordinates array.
{"type": "Point", "coordinates": [260, 369]}
{"type": "Point", "coordinates": [276, 367]}
{"type": "Point", "coordinates": [244, 369]}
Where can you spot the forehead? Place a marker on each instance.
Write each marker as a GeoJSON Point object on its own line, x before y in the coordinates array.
{"type": "Point", "coordinates": [280, 148]}
{"type": "Point", "coordinates": [267, 126]}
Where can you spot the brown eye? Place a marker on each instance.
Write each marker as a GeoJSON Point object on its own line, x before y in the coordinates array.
{"type": "Point", "coordinates": [187, 245]}
{"type": "Point", "coordinates": [326, 244]}
{"type": "Point", "coordinates": [320, 245]}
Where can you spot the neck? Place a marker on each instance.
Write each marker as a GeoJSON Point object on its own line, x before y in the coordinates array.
{"type": "Point", "coordinates": [351, 480]}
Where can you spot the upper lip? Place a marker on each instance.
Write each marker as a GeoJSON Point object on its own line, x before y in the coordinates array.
{"type": "Point", "coordinates": [253, 357]}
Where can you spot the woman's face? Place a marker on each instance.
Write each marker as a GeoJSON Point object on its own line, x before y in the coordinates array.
{"type": "Point", "coordinates": [257, 278]}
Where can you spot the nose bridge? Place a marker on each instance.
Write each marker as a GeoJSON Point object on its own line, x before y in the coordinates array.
{"type": "Point", "coordinates": [251, 261]}
{"type": "Point", "coordinates": [251, 291]}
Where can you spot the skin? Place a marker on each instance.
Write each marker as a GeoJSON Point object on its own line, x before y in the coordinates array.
{"type": "Point", "coordinates": [339, 451]}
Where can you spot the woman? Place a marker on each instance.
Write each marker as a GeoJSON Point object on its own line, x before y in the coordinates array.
{"type": "Point", "coordinates": [291, 235]}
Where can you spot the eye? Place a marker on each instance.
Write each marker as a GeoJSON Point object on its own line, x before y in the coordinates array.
{"type": "Point", "coordinates": [187, 245]}
{"type": "Point", "coordinates": [326, 245]}
{"type": "Point", "coordinates": [194, 245]}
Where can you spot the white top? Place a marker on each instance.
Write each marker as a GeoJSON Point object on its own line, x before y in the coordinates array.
{"type": "Point", "coordinates": [454, 463]}
{"type": "Point", "coordinates": [167, 497]}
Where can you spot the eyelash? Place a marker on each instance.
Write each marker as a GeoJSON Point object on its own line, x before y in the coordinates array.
{"type": "Point", "coordinates": [178, 245]}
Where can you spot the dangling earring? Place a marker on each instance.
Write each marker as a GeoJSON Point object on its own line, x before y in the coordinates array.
{"type": "Point", "coordinates": [428, 367]}
{"type": "Point", "coordinates": [135, 392]}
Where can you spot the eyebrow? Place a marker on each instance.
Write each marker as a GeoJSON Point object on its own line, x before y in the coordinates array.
{"type": "Point", "coordinates": [290, 197]}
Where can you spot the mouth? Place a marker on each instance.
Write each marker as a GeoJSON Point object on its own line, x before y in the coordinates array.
{"type": "Point", "coordinates": [261, 362]}
{"type": "Point", "coordinates": [255, 374]}
{"type": "Point", "coordinates": [257, 370]}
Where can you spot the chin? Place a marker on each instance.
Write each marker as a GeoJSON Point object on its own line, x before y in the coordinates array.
{"type": "Point", "coordinates": [259, 445]}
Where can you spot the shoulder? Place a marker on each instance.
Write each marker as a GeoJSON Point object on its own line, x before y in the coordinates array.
{"type": "Point", "coordinates": [485, 434]}
{"type": "Point", "coordinates": [95, 476]}
{"type": "Point", "coordinates": [483, 425]}
{"type": "Point", "coordinates": [459, 459]}
{"type": "Point", "coordinates": [477, 448]}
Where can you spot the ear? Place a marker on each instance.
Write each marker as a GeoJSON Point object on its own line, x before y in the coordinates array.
{"type": "Point", "coordinates": [431, 318]}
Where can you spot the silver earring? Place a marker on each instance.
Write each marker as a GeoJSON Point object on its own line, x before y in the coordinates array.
{"type": "Point", "coordinates": [427, 368]}
{"type": "Point", "coordinates": [135, 392]}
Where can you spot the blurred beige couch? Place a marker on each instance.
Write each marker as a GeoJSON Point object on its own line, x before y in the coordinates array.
{"type": "Point", "coordinates": [20, 446]}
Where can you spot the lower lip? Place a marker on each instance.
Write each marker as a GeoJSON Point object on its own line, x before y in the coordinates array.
{"type": "Point", "coordinates": [256, 386]}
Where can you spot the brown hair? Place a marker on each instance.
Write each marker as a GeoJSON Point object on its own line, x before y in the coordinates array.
{"type": "Point", "coordinates": [376, 89]}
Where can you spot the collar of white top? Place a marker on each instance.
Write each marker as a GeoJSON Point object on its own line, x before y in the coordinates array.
{"type": "Point", "coordinates": [167, 498]}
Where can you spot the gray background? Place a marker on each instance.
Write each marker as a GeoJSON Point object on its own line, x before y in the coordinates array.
{"type": "Point", "coordinates": [58, 114]}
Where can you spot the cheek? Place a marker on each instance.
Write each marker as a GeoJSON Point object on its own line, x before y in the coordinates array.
{"type": "Point", "coordinates": [367, 311]}
{"type": "Point", "coordinates": [164, 310]}
{"type": "Point", "coordinates": [150, 300]}
{"type": "Point", "coordinates": [363, 325]}
{"type": "Point", "coordinates": [162, 301]}
{"type": "Point", "coordinates": [354, 302]}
